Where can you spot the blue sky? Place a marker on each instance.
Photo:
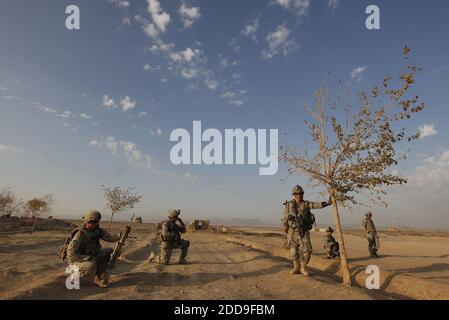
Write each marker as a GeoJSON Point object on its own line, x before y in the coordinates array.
{"type": "Point", "coordinates": [95, 106]}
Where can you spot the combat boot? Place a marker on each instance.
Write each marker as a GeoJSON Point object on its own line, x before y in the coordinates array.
{"type": "Point", "coordinates": [152, 258]}
{"type": "Point", "coordinates": [182, 261]}
{"type": "Point", "coordinates": [101, 283]}
{"type": "Point", "coordinates": [304, 270]}
{"type": "Point", "coordinates": [295, 269]}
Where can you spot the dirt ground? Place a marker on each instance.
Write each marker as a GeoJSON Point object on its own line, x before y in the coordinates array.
{"type": "Point", "coordinates": [218, 269]}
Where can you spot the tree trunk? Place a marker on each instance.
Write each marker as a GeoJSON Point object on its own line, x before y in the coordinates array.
{"type": "Point", "coordinates": [343, 257]}
{"type": "Point", "coordinates": [110, 221]}
{"type": "Point", "coordinates": [34, 223]}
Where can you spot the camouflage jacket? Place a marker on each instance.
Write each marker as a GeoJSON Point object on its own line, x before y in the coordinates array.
{"type": "Point", "coordinates": [171, 231]}
{"type": "Point", "coordinates": [86, 244]}
{"type": "Point", "coordinates": [368, 226]}
{"type": "Point", "coordinates": [292, 210]}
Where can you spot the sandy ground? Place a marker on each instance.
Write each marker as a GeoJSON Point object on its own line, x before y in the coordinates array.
{"type": "Point", "coordinates": [218, 269]}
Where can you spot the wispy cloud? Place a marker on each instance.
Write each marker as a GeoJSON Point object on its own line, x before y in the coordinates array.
{"type": "Point", "coordinates": [333, 4]}
{"type": "Point", "coordinates": [127, 103]}
{"type": "Point", "coordinates": [148, 67]}
{"type": "Point", "coordinates": [108, 102]}
{"type": "Point", "coordinates": [357, 73]}
{"type": "Point", "coordinates": [299, 7]}
{"type": "Point", "coordinates": [251, 28]}
{"type": "Point", "coordinates": [6, 148]}
{"type": "Point", "coordinates": [279, 42]}
{"type": "Point", "coordinates": [156, 132]}
{"type": "Point", "coordinates": [85, 116]}
{"type": "Point", "coordinates": [427, 130]}
{"type": "Point", "coordinates": [189, 14]}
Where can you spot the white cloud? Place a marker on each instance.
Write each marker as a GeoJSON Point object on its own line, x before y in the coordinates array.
{"type": "Point", "coordinates": [5, 148]}
{"type": "Point", "coordinates": [333, 4]}
{"type": "Point", "coordinates": [211, 84]}
{"type": "Point", "coordinates": [93, 143]}
{"type": "Point", "coordinates": [127, 103]}
{"type": "Point", "coordinates": [160, 18]}
{"type": "Point", "coordinates": [148, 67]}
{"type": "Point", "coordinates": [279, 42]}
{"type": "Point", "coordinates": [250, 29]}
{"type": "Point", "coordinates": [433, 173]}
{"type": "Point", "coordinates": [108, 102]}
{"type": "Point", "coordinates": [357, 73]}
{"type": "Point", "coordinates": [3, 88]}
{"type": "Point", "coordinates": [120, 3]}
{"type": "Point", "coordinates": [142, 114]}
{"type": "Point", "coordinates": [427, 130]}
{"type": "Point", "coordinates": [300, 7]}
{"type": "Point", "coordinates": [85, 116]}
{"type": "Point", "coordinates": [189, 15]}
{"type": "Point", "coordinates": [47, 109]}
{"type": "Point", "coordinates": [234, 97]}
{"type": "Point", "coordinates": [157, 132]}
{"type": "Point", "coordinates": [66, 114]}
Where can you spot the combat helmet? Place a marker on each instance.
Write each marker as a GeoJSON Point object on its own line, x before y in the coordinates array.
{"type": "Point", "coordinates": [297, 190]}
{"type": "Point", "coordinates": [174, 213]}
{"type": "Point", "coordinates": [92, 215]}
{"type": "Point", "coordinates": [329, 229]}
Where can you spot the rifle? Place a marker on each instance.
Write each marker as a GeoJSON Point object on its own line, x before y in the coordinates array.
{"type": "Point", "coordinates": [117, 251]}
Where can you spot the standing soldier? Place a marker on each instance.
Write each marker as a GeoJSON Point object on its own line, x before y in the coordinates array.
{"type": "Point", "coordinates": [85, 252]}
{"type": "Point", "coordinates": [331, 246]}
{"type": "Point", "coordinates": [371, 235]}
{"type": "Point", "coordinates": [170, 238]}
{"type": "Point", "coordinates": [298, 220]}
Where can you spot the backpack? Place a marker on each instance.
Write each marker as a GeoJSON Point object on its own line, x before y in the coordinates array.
{"type": "Point", "coordinates": [63, 250]}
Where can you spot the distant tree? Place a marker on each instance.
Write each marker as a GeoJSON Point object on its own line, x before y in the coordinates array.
{"type": "Point", "coordinates": [9, 204]}
{"type": "Point", "coordinates": [356, 147]}
{"type": "Point", "coordinates": [36, 207]}
{"type": "Point", "coordinates": [120, 200]}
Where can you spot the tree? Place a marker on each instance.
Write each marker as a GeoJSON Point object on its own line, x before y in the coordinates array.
{"type": "Point", "coordinates": [35, 207]}
{"type": "Point", "coordinates": [9, 204]}
{"type": "Point", "coordinates": [120, 200]}
{"type": "Point", "coordinates": [356, 147]}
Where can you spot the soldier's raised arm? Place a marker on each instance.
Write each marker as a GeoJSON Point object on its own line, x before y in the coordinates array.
{"type": "Point", "coordinates": [106, 236]}
{"type": "Point", "coordinates": [182, 226]}
{"type": "Point", "coordinates": [73, 249]}
{"type": "Point", "coordinates": [320, 205]}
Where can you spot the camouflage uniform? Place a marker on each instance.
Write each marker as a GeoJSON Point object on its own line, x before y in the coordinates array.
{"type": "Point", "coordinates": [331, 246]}
{"type": "Point", "coordinates": [171, 239]}
{"type": "Point", "coordinates": [371, 234]}
{"type": "Point", "coordinates": [85, 252]}
{"type": "Point", "coordinates": [298, 237]}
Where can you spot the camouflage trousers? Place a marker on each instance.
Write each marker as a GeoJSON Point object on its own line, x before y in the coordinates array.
{"type": "Point", "coordinates": [372, 245]}
{"type": "Point", "coordinates": [94, 267]}
{"type": "Point", "coordinates": [167, 248]}
{"type": "Point", "coordinates": [332, 250]}
{"type": "Point", "coordinates": [301, 247]}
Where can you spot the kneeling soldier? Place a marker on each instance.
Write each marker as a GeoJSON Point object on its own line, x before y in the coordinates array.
{"type": "Point", "coordinates": [331, 246]}
{"type": "Point", "coordinates": [85, 252]}
{"type": "Point", "coordinates": [170, 238]}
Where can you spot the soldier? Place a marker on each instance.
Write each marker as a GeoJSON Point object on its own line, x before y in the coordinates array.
{"type": "Point", "coordinates": [331, 246]}
{"type": "Point", "coordinates": [170, 238]}
{"type": "Point", "coordinates": [298, 220]}
{"type": "Point", "coordinates": [371, 235]}
{"type": "Point", "coordinates": [85, 252]}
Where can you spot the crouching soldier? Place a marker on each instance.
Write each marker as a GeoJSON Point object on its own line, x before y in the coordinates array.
{"type": "Point", "coordinates": [170, 238]}
{"type": "Point", "coordinates": [85, 252]}
{"type": "Point", "coordinates": [331, 246]}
